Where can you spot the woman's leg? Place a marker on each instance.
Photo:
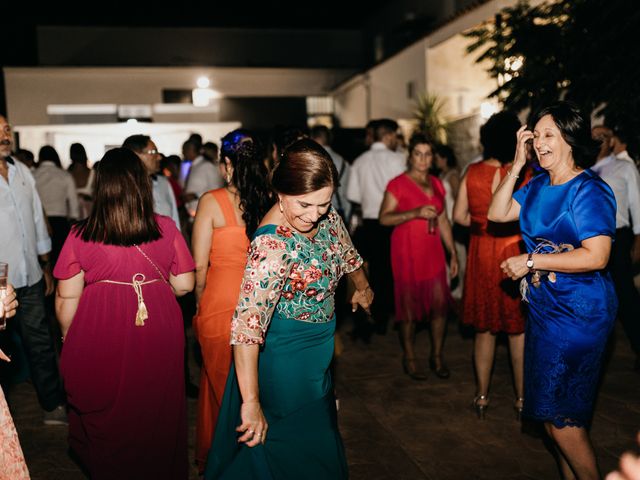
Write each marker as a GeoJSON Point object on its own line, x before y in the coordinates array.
{"type": "Point", "coordinates": [576, 451]}
{"type": "Point", "coordinates": [438, 327]}
{"type": "Point", "coordinates": [483, 354]}
{"type": "Point", "coordinates": [516, 352]}
{"type": "Point", "coordinates": [407, 333]}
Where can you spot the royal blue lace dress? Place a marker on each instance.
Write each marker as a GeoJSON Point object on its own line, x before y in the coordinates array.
{"type": "Point", "coordinates": [570, 315]}
{"type": "Point", "coordinates": [286, 305]}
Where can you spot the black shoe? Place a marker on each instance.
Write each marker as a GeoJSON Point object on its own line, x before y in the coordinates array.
{"type": "Point", "coordinates": [192, 390]}
{"type": "Point", "coordinates": [441, 371]}
{"type": "Point", "coordinates": [410, 368]}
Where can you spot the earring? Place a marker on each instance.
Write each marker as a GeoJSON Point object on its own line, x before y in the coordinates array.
{"type": "Point", "coordinates": [227, 177]}
{"type": "Point", "coordinates": [281, 207]}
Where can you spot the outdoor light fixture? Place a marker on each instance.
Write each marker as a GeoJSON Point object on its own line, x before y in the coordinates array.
{"type": "Point", "coordinates": [202, 97]}
{"type": "Point", "coordinates": [203, 82]}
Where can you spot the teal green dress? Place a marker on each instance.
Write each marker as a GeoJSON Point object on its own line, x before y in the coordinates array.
{"type": "Point", "coordinates": [286, 305]}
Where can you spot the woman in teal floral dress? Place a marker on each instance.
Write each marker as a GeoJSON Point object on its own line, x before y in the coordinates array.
{"type": "Point", "coordinates": [278, 415]}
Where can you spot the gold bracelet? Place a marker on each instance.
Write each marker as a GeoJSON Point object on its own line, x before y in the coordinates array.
{"type": "Point", "coordinates": [512, 175]}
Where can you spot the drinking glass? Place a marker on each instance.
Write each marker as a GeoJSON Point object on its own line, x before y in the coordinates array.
{"type": "Point", "coordinates": [4, 273]}
{"type": "Point", "coordinates": [431, 226]}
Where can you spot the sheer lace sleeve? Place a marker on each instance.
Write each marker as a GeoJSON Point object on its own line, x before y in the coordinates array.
{"type": "Point", "coordinates": [351, 259]}
{"type": "Point", "coordinates": [268, 265]}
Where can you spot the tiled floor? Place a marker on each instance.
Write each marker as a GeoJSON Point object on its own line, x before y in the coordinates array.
{"type": "Point", "coordinates": [398, 429]}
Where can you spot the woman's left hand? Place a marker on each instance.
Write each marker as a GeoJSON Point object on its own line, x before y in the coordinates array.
{"type": "Point", "coordinates": [9, 302]}
{"type": "Point", "coordinates": [364, 298]}
{"type": "Point", "coordinates": [515, 267]}
{"type": "Point", "coordinates": [453, 267]}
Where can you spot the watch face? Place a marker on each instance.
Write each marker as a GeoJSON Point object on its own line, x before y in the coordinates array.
{"type": "Point", "coordinates": [529, 263]}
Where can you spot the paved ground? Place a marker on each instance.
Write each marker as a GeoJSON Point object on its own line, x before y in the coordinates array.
{"type": "Point", "coordinates": [398, 429]}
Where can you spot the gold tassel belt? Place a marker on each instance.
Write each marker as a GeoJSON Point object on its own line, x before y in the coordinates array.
{"type": "Point", "coordinates": [137, 281]}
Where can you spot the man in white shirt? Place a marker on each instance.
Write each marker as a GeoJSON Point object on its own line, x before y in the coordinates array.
{"type": "Point", "coordinates": [619, 146]}
{"type": "Point", "coordinates": [57, 192]}
{"type": "Point", "coordinates": [322, 135]}
{"type": "Point", "coordinates": [203, 176]}
{"type": "Point", "coordinates": [25, 246]}
{"type": "Point", "coordinates": [368, 179]}
{"type": "Point", "coordinates": [623, 178]}
{"type": "Point", "coordinates": [164, 201]}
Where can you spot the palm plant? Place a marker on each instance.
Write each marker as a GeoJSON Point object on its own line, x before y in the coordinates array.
{"type": "Point", "coordinates": [429, 117]}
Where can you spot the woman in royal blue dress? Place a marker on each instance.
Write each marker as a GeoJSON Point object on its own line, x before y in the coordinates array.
{"type": "Point", "coordinates": [567, 218]}
{"type": "Point", "coordinates": [278, 413]}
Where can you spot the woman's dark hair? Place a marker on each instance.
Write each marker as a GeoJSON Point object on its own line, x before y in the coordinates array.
{"type": "Point", "coordinates": [78, 154]}
{"type": "Point", "coordinates": [446, 152]}
{"type": "Point", "coordinates": [498, 136]}
{"type": "Point", "coordinates": [419, 139]}
{"type": "Point", "coordinates": [122, 212]}
{"type": "Point", "coordinates": [48, 153]}
{"type": "Point", "coordinates": [304, 167]}
{"type": "Point", "coordinates": [575, 129]}
{"type": "Point", "coordinates": [415, 140]}
{"type": "Point", "coordinates": [249, 176]}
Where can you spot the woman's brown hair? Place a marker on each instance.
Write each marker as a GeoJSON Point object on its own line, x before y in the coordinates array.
{"type": "Point", "coordinates": [304, 167]}
{"type": "Point", "coordinates": [122, 212]}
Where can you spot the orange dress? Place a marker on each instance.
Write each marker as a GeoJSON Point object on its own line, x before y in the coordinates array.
{"type": "Point", "coordinates": [212, 324]}
{"type": "Point", "coordinates": [491, 301]}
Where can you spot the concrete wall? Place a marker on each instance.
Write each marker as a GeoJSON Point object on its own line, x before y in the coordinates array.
{"type": "Point", "coordinates": [389, 83]}
{"type": "Point", "coordinates": [351, 103]}
{"type": "Point", "coordinates": [30, 90]}
{"type": "Point", "coordinates": [97, 139]}
{"type": "Point", "coordinates": [455, 77]}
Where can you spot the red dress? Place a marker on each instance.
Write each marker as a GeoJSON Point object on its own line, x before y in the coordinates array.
{"type": "Point", "coordinates": [125, 383]}
{"type": "Point", "coordinates": [491, 301]}
{"type": "Point", "coordinates": [417, 256]}
{"type": "Point", "coordinates": [212, 325]}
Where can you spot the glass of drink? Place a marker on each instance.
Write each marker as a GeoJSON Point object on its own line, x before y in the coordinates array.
{"type": "Point", "coordinates": [431, 226]}
{"type": "Point", "coordinates": [4, 274]}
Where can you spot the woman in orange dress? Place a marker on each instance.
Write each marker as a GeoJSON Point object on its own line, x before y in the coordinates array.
{"type": "Point", "coordinates": [225, 220]}
{"type": "Point", "coordinates": [491, 302]}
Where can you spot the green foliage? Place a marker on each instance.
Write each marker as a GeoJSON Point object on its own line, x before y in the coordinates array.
{"type": "Point", "coordinates": [579, 50]}
{"type": "Point", "coordinates": [429, 117]}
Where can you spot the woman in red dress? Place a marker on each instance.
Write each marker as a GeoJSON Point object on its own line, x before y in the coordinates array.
{"type": "Point", "coordinates": [491, 302]}
{"type": "Point", "coordinates": [414, 203]}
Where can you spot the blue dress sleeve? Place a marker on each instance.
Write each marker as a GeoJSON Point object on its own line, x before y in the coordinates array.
{"type": "Point", "coordinates": [594, 210]}
{"type": "Point", "coordinates": [521, 194]}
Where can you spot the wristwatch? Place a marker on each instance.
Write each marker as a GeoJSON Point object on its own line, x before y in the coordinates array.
{"type": "Point", "coordinates": [530, 262]}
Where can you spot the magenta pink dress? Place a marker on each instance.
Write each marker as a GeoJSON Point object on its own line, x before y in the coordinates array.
{"type": "Point", "coordinates": [417, 256]}
{"type": "Point", "coordinates": [125, 383]}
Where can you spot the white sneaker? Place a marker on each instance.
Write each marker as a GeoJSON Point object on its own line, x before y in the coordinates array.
{"type": "Point", "coordinates": [57, 416]}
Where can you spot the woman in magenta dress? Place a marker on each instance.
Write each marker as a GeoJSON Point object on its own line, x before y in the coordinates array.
{"type": "Point", "coordinates": [122, 360]}
{"type": "Point", "coordinates": [415, 204]}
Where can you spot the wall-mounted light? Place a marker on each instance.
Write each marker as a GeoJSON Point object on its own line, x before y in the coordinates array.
{"type": "Point", "coordinates": [202, 97]}
{"type": "Point", "coordinates": [203, 82]}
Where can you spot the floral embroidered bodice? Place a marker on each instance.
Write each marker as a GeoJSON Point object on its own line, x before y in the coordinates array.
{"type": "Point", "coordinates": [292, 276]}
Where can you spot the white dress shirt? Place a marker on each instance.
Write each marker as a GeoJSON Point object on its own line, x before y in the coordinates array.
{"type": "Point", "coordinates": [164, 201]}
{"type": "Point", "coordinates": [624, 180]}
{"type": "Point", "coordinates": [57, 191]}
{"type": "Point", "coordinates": [203, 176]}
{"type": "Point", "coordinates": [369, 176]}
{"type": "Point", "coordinates": [23, 231]}
{"type": "Point", "coordinates": [340, 196]}
{"type": "Point", "coordinates": [624, 155]}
